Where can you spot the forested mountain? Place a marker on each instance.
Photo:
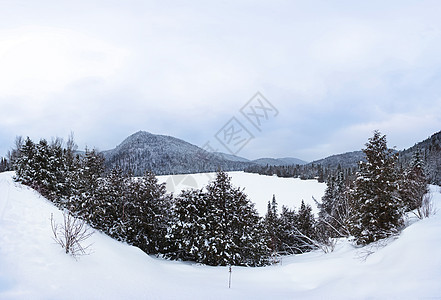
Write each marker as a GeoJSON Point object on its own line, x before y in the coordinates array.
{"type": "Point", "coordinates": [286, 161]}
{"type": "Point", "coordinates": [430, 150]}
{"type": "Point", "coordinates": [345, 160]}
{"type": "Point", "coordinates": [163, 155]}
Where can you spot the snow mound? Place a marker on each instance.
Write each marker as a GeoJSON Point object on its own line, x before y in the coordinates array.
{"type": "Point", "coordinates": [32, 266]}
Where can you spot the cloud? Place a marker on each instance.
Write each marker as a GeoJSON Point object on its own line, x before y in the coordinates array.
{"type": "Point", "coordinates": [335, 72]}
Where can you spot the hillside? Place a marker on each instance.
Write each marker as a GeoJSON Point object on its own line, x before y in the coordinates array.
{"type": "Point", "coordinates": [345, 160]}
{"type": "Point", "coordinates": [430, 150]}
{"type": "Point", "coordinates": [286, 161]}
{"type": "Point", "coordinates": [169, 155]}
{"type": "Point", "coordinates": [34, 267]}
{"type": "Point", "coordinates": [162, 154]}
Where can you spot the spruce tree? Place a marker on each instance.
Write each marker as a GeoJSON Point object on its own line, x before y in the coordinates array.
{"type": "Point", "coordinates": [189, 226]}
{"type": "Point", "coordinates": [273, 226]}
{"type": "Point", "coordinates": [289, 243]}
{"type": "Point", "coordinates": [377, 207]}
{"type": "Point", "coordinates": [146, 213]}
{"type": "Point", "coordinates": [305, 227]}
{"type": "Point", "coordinates": [413, 183]}
{"type": "Point", "coordinates": [236, 230]}
{"type": "Point", "coordinates": [24, 162]}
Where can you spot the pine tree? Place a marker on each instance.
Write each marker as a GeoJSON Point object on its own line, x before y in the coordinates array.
{"type": "Point", "coordinates": [378, 209]}
{"type": "Point", "coordinates": [335, 207]}
{"type": "Point", "coordinates": [23, 162]}
{"type": "Point", "coordinates": [189, 228]}
{"type": "Point", "coordinates": [413, 183]}
{"type": "Point", "coordinates": [289, 243]}
{"type": "Point", "coordinates": [305, 227]}
{"type": "Point", "coordinates": [272, 224]}
{"type": "Point", "coordinates": [88, 200]}
{"type": "Point", "coordinates": [235, 236]}
{"type": "Point", "coordinates": [218, 227]}
{"type": "Point", "coordinates": [146, 214]}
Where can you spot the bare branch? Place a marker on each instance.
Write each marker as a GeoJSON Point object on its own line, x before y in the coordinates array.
{"type": "Point", "coordinates": [71, 234]}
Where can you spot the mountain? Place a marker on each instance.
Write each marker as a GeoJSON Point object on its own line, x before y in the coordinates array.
{"type": "Point", "coordinates": [166, 155]}
{"type": "Point", "coordinates": [279, 161]}
{"type": "Point", "coordinates": [292, 161]}
{"type": "Point", "coordinates": [430, 150]}
{"type": "Point", "coordinates": [230, 157]}
{"type": "Point", "coordinates": [345, 160]}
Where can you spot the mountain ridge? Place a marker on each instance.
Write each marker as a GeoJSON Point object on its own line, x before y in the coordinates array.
{"type": "Point", "coordinates": [164, 155]}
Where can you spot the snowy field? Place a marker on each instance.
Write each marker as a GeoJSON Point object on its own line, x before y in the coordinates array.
{"type": "Point", "coordinates": [259, 188]}
{"type": "Point", "coordinates": [32, 266]}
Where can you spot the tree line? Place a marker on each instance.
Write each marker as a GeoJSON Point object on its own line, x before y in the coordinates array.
{"type": "Point", "coordinates": [218, 225]}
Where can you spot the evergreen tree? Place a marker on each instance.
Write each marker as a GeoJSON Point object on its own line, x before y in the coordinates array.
{"type": "Point", "coordinates": [413, 184]}
{"type": "Point", "coordinates": [235, 234]}
{"type": "Point", "coordinates": [24, 163]}
{"type": "Point", "coordinates": [146, 214]}
{"type": "Point", "coordinates": [189, 227]}
{"type": "Point", "coordinates": [334, 209]}
{"type": "Point", "coordinates": [378, 209]}
{"type": "Point", "coordinates": [4, 165]}
{"type": "Point", "coordinates": [305, 227]}
{"type": "Point", "coordinates": [288, 235]}
{"type": "Point", "coordinates": [218, 227]}
{"type": "Point", "coordinates": [272, 224]}
{"type": "Point", "coordinates": [88, 199]}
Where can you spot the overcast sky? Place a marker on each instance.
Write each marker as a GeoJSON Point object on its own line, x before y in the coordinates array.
{"type": "Point", "coordinates": [334, 71]}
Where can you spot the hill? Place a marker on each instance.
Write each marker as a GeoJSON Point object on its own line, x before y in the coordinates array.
{"type": "Point", "coordinates": [345, 160]}
{"type": "Point", "coordinates": [430, 150]}
{"type": "Point", "coordinates": [34, 267]}
{"type": "Point", "coordinates": [286, 161]}
{"type": "Point", "coordinates": [163, 154]}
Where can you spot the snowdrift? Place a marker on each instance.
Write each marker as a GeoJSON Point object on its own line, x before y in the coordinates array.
{"type": "Point", "coordinates": [32, 266]}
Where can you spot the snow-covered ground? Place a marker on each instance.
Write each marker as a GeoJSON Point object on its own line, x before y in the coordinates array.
{"type": "Point", "coordinates": [32, 266]}
{"type": "Point", "coordinates": [259, 188]}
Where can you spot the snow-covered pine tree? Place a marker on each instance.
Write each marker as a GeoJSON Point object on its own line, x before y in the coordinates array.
{"type": "Point", "coordinates": [189, 226]}
{"type": "Point", "coordinates": [236, 232]}
{"type": "Point", "coordinates": [377, 208]}
{"type": "Point", "coordinates": [87, 200]}
{"type": "Point", "coordinates": [413, 183]}
{"type": "Point", "coordinates": [146, 213]}
{"type": "Point", "coordinates": [288, 235]}
{"type": "Point", "coordinates": [4, 164]}
{"type": "Point", "coordinates": [335, 207]}
{"type": "Point", "coordinates": [109, 208]}
{"type": "Point", "coordinates": [273, 226]}
{"type": "Point", "coordinates": [23, 161]}
{"type": "Point", "coordinates": [305, 227]}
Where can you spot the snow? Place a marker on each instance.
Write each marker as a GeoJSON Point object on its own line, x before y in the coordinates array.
{"type": "Point", "coordinates": [32, 266]}
{"type": "Point", "coordinates": [259, 188]}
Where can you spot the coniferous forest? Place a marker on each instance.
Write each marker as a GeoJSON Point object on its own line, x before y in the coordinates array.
{"type": "Point", "coordinates": [218, 225]}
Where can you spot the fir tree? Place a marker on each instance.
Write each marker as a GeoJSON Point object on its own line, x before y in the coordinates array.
{"type": "Point", "coordinates": [413, 184]}
{"type": "Point", "coordinates": [236, 229]}
{"type": "Point", "coordinates": [272, 224]}
{"type": "Point", "coordinates": [146, 214]}
{"type": "Point", "coordinates": [289, 242]}
{"type": "Point", "coordinates": [378, 209]}
{"type": "Point", "coordinates": [189, 228]}
{"type": "Point", "coordinates": [218, 227]}
{"type": "Point", "coordinates": [335, 207]}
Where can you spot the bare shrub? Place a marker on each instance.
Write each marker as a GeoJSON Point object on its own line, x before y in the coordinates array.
{"type": "Point", "coordinates": [427, 208]}
{"type": "Point", "coordinates": [71, 235]}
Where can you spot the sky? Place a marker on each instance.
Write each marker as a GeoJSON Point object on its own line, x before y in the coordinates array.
{"type": "Point", "coordinates": [328, 72]}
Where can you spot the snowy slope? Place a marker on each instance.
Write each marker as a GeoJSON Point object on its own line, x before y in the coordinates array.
{"type": "Point", "coordinates": [33, 267]}
{"type": "Point", "coordinates": [259, 188]}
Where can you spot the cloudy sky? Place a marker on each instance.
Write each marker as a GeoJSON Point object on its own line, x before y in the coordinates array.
{"type": "Point", "coordinates": [334, 70]}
